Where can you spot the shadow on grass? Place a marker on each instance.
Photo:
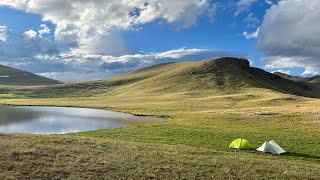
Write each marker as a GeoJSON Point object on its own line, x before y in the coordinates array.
{"type": "Point", "coordinates": [287, 154]}
{"type": "Point", "coordinates": [300, 155]}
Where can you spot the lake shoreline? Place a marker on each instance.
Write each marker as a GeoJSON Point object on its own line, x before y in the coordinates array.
{"type": "Point", "coordinates": [64, 120]}
{"type": "Point", "coordinates": [90, 107]}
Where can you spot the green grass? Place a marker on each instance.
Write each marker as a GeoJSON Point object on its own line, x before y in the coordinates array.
{"type": "Point", "coordinates": [200, 128]}
{"type": "Point", "coordinates": [7, 96]}
{"type": "Point", "coordinates": [61, 157]}
{"type": "Point", "coordinates": [203, 118]}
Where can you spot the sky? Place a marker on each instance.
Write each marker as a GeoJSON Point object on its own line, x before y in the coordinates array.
{"type": "Point", "coordinates": [79, 40]}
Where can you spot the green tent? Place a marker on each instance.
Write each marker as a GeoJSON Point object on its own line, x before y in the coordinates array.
{"type": "Point", "coordinates": [240, 144]}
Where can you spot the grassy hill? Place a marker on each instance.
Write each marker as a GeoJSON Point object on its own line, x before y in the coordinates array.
{"type": "Point", "coordinates": [222, 75]}
{"type": "Point", "coordinates": [208, 104]}
{"type": "Point", "coordinates": [218, 76]}
{"type": "Point", "coordinates": [15, 77]}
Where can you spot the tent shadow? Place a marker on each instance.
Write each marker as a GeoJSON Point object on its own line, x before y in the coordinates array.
{"type": "Point", "coordinates": [301, 155]}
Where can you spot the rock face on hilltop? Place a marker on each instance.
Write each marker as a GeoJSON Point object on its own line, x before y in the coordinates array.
{"type": "Point", "coordinates": [16, 77]}
{"type": "Point", "coordinates": [220, 65]}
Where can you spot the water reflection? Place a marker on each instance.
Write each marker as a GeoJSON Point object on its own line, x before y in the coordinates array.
{"type": "Point", "coordinates": [60, 120]}
{"type": "Point", "coordinates": [11, 115]}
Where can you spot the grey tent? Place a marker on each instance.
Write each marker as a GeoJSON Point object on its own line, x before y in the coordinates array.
{"type": "Point", "coordinates": [271, 147]}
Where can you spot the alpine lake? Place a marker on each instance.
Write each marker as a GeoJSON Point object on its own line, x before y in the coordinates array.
{"type": "Point", "coordinates": [63, 120]}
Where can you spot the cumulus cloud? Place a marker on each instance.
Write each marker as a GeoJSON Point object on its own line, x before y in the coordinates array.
{"type": "Point", "coordinates": [80, 23]}
{"type": "Point", "coordinates": [109, 44]}
{"type": "Point", "coordinates": [252, 35]}
{"type": "Point", "coordinates": [3, 33]}
{"type": "Point", "coordinates": [44, 30]}
{"type": "Point", "coordinates": [282, 71]}
{"type": "Point", "coordinates": [288, 35]}
{"type": "Point", "coordinates": [29, 34]}
{"type": "Point", "coordinates": [25, 45]}
{"type": "Point", "coordinates": [311, 71]}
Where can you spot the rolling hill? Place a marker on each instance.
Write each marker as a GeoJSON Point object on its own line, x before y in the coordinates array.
{"type": "Point", "coordinates": [224, 75]}
{"type": "Point", "coordinates": [15, 77]}
{"type": "Point", "coordinates": [221, 75]}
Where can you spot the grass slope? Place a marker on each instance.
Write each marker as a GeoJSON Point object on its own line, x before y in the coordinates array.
{"type": "Point", "coordinates": [219, 76]}
{"type": "Point", "coordinates": [15, 77]}
{"type": "Point", "coordinates": [206, 113]}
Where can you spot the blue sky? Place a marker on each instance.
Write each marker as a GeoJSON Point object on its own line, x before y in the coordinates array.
{"type": "Point", "coordinates": [75, 41]}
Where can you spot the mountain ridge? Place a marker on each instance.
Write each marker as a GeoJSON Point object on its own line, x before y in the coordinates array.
{"type": "Point", "coordinates": [15, 77]}
{"type": "Point", "coordinates": [314, 79]}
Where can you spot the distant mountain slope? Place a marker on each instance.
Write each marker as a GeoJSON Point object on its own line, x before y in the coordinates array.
{"type": "Point", "coordinates": [313, 80]}
{"type": "Point", "coordinates": [218, 76]}
{"type": "Point", "coordinates": [15, 77]}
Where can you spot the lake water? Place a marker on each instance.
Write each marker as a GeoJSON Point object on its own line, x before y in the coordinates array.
{"type": "Point", "coordinates": [61, 120]}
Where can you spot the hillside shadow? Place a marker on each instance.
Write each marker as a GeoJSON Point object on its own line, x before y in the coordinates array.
{"type": "Point", "coordinates": [274, 82]}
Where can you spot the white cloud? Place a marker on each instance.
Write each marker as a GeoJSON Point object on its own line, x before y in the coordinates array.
{"type": "Point", "coordinates": [311, 71]}
{"type": "Point", "coordinates": [3, 33]}
{"type": "Point", "coordinates": [81, 22]}
{"type": "Point", "coordinates": [28, 44]}
{"type": "Point", "coordinates": [44, 30]}
{"type": "Point", "coordinates": [311, 66]}
{"type": "Point", "coordinates": [252, 35]}
{"type": "Point", "coordinates": [29, 34]}
{"type": "Point", "coordinates": [273, 62]}
{"type": "Point", "coordinates": [282, 71]}
{"type": "Point", "coordinates": [244, 5]}
{"type": "Point", "coordinates": [288, 35]}
{"type": "Point", "coordinates": [110, 44]}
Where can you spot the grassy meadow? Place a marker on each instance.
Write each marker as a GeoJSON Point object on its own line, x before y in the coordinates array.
{"type": "Point", "coordinates": [192, 143]}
